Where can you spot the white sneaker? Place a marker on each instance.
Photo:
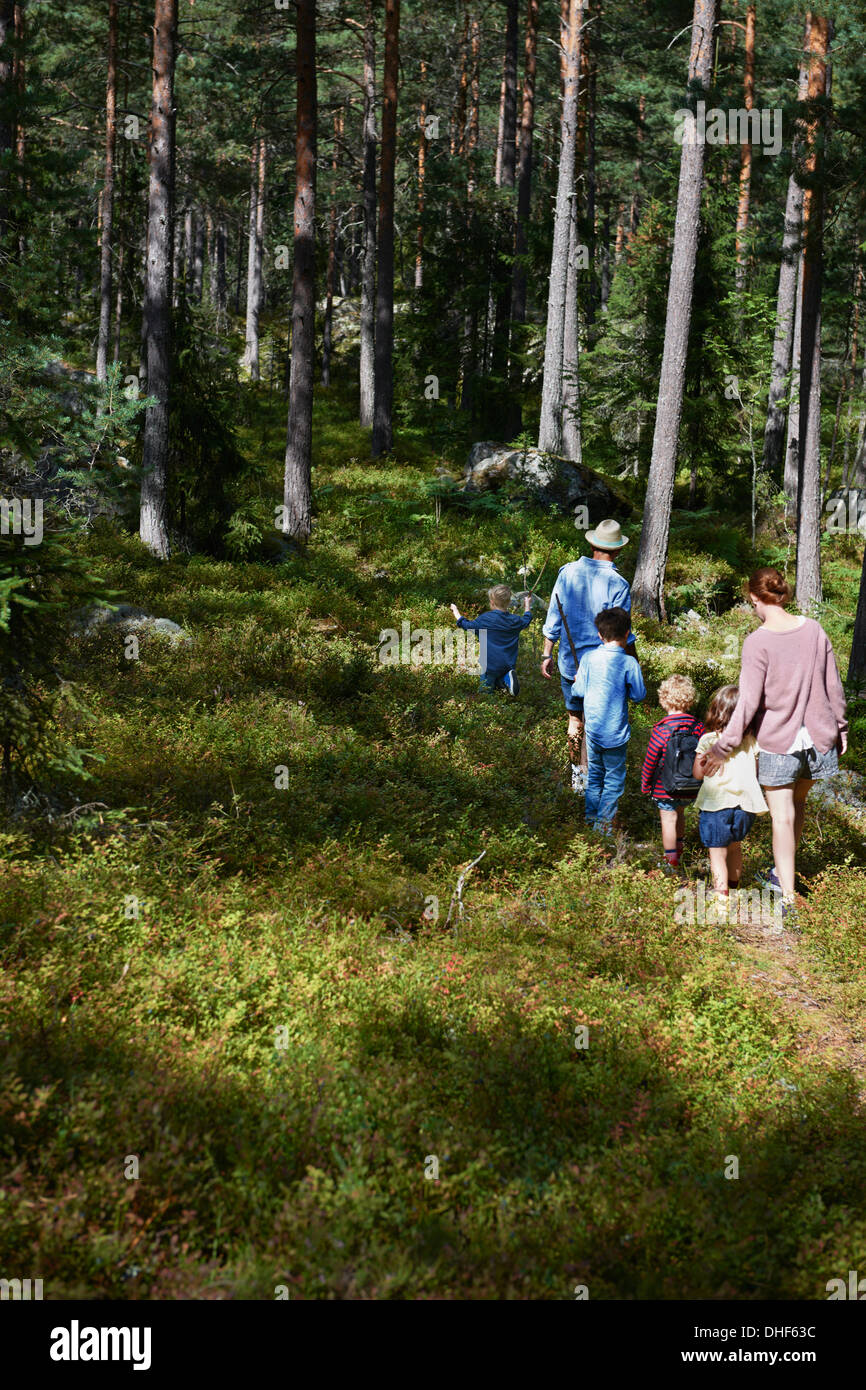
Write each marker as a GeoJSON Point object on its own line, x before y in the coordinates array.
{"type": "Point", "coordinates": [578, 780]}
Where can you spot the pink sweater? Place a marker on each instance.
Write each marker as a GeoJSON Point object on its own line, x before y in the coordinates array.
{"type": "Point", "coordinates": [787, 679]}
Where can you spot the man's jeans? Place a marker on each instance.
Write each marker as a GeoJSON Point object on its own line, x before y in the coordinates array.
{"type": "Point", "coordinates": [605, 780]}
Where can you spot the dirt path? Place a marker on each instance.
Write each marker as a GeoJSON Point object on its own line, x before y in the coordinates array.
{"type": "Point", "coordinates": [779, 968]}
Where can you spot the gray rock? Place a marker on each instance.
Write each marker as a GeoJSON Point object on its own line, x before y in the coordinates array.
{"type": "Point", "coordinates": [518, 597]}
{"type": "Point", "coordinates": [483, 450]}
{"type": "Point", "coordinates": [546, 478]}
{"type": "Point", "coordinates": [127, 618]}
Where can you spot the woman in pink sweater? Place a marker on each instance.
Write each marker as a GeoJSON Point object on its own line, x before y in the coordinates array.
{"type": "Point", "coordinates": [791, 698]}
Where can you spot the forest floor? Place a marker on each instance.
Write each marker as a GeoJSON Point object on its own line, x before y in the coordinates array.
{"type": "Point", "coordinates": [243, 1046]}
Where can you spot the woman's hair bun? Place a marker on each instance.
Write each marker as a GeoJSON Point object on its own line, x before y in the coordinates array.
{"type": "Point", "coordinates": [770, 586]}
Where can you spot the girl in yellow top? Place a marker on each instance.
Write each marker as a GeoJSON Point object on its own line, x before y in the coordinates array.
{"type": "Point", "coordinates": [730, 798]}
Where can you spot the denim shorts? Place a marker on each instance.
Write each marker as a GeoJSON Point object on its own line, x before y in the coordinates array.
{"type": "Point", "coordinates": [672, 803]}
{"type": "Point", "coordinates": [573, 703]}
{"type": "Point", "coordinates": [718, 829]}
{"type": "Point", "coordinates": [781, 769]}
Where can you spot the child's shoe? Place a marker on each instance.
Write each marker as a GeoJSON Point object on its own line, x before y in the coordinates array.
{"type": "Point", "coordinates": [790, 918]}
{"type": "Point", "coordinates": [769, 879]}
{"type": "Point", "coordinates": [511, 683]}
{"type": "Point", "coordinates": [670, 861]}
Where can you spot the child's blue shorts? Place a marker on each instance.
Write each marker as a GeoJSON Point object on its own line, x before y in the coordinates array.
{"type": "Point", "coordinates": [718, 829]}
{"type": "Point", "coordinates": [673, 803]}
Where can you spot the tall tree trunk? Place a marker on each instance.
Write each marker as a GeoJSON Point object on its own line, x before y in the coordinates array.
{"type": "Point", "coordinates": [469, 348]}
{"type": "Point", "coordinates": [368, 195]}
{"type": "Point", "coordinates": [857, 477]}
{"type": "Point", "coordinates": [107, 198]}
{"type": "Point", "coordinates": [458, 135]}
{"type": "Point", "coordinates": [177, 245]}
{"type": "Point", "coordinates": [809, 590]}
{"type": "Point", "coordinates": [791, 472]}
{"type": "Point", "coordinates": [648, 584]}
{"type": "Point", "coordinates": [591, 180]}
{"type": "Point", "coordinates": [239, 271]}
{"type": "Point", "coordinates": [221, 295]}
{"type": "Point", "coordinates": [118, 302]}
{"type": "Point", "coordinates": [849, 369]}
{"type": "Point", "coordinates": [605, 261]}
{"type": "Point", "coordinates": [254, 255]}
{"type": "Point", "coordinates": [524, 167]}
{"type": "Point", "coordinates": [383, 360]}
{"type": "Point", "coordinates": [619, 239]}
{"type": "Point", "coordinates": [122, 228]}
{"type": "Point", "coordinates": [506, 149]}
{"type": "Point", "coordinates": [571, 427]}
{"type": "Point", "coordinates": [474, 103]}
{"type": "Point", "coordinates": [550, 427]}
{"type": "Point", "coordinates": [153, 526]}
{"type": "Point", "coordinates": [846, 449]}
{"type": "Point", "coordinates": [422, 160]}
{"type": "Point", "coordinates": [571, 431]}
{"type": "Point", "coordinates": [327, 333]}
{"type": "Point", "coordinates": [210, 255]}
{"type": "Point", "coordinates": [198, 258]}
{"type": "Point", "coordinates": [745, 153]}
{"type": "Point", "coordinates": [297, 493]}
{"type": "Point", "coordinates": [786, 307]}
{"type": "Point", "coordinates": [188, 248]}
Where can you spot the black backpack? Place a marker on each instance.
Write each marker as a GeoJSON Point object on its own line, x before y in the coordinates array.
{"type": "Point", "coordinates": [676, 775]}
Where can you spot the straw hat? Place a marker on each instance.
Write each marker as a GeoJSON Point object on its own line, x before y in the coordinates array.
{"type": "Point", "coordinates": [607, 536]}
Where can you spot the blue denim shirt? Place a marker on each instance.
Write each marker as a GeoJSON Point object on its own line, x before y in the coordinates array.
{"type": "Point", "coordinates": [584, 587]}
{"type": "Point", "coordinates": [607, 679]}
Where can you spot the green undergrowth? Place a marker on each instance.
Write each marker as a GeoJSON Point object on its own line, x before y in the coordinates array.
{"type": "Point", "coordinates": [234, 964]}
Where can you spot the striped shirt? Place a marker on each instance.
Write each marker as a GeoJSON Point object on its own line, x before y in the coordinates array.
{"type": "Point", "coordinates": [650, 783]}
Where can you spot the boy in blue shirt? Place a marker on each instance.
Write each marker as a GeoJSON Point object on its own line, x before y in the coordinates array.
{"type": "Point", "coordinates": [502, 634]}
{"type": "Point", "coordinates": [606, 679]}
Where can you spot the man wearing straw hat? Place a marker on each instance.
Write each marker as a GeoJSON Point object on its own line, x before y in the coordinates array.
{"type": "Point", "coordinates": [583, 588]}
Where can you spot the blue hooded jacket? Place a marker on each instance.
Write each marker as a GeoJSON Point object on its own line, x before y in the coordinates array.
{"type": "Point", "coordinates": [503, 635]}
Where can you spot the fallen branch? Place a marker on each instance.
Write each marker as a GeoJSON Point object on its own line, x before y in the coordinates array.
{"type": "Point", "coordinates": [457, 895]}
{"type": "Point", "coordinates": [541, 571]}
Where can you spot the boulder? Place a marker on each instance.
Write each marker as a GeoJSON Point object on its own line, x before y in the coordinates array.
{"type": "Point", "coordinates": [127, 618]}
{"type": "Point", "coordinates": [692, 620]}
{"type": "Point", "coordinates": [545, 478]}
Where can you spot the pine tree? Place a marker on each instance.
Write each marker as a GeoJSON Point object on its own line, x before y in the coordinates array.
{"type": "Point", "coordinates": [383, 358]}
{"type": "Point", "coordinates": [648, 584]}
{"type": "Point", "coordinates": [809, 474]}
{"type": "Point", "coordinates": [153, 523]}
{"type": "Point", "coordinates": [108, 198]}
{"type": "Point", "coordinates": [368, 210]}
{"type": "Point", "coordinates": [297, 494]}
{"type": "Point", "coordinates": [555, 365]}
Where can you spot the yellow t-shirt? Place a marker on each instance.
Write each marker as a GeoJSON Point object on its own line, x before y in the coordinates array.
{"type": "Point", "coordinates": [736, 782]}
